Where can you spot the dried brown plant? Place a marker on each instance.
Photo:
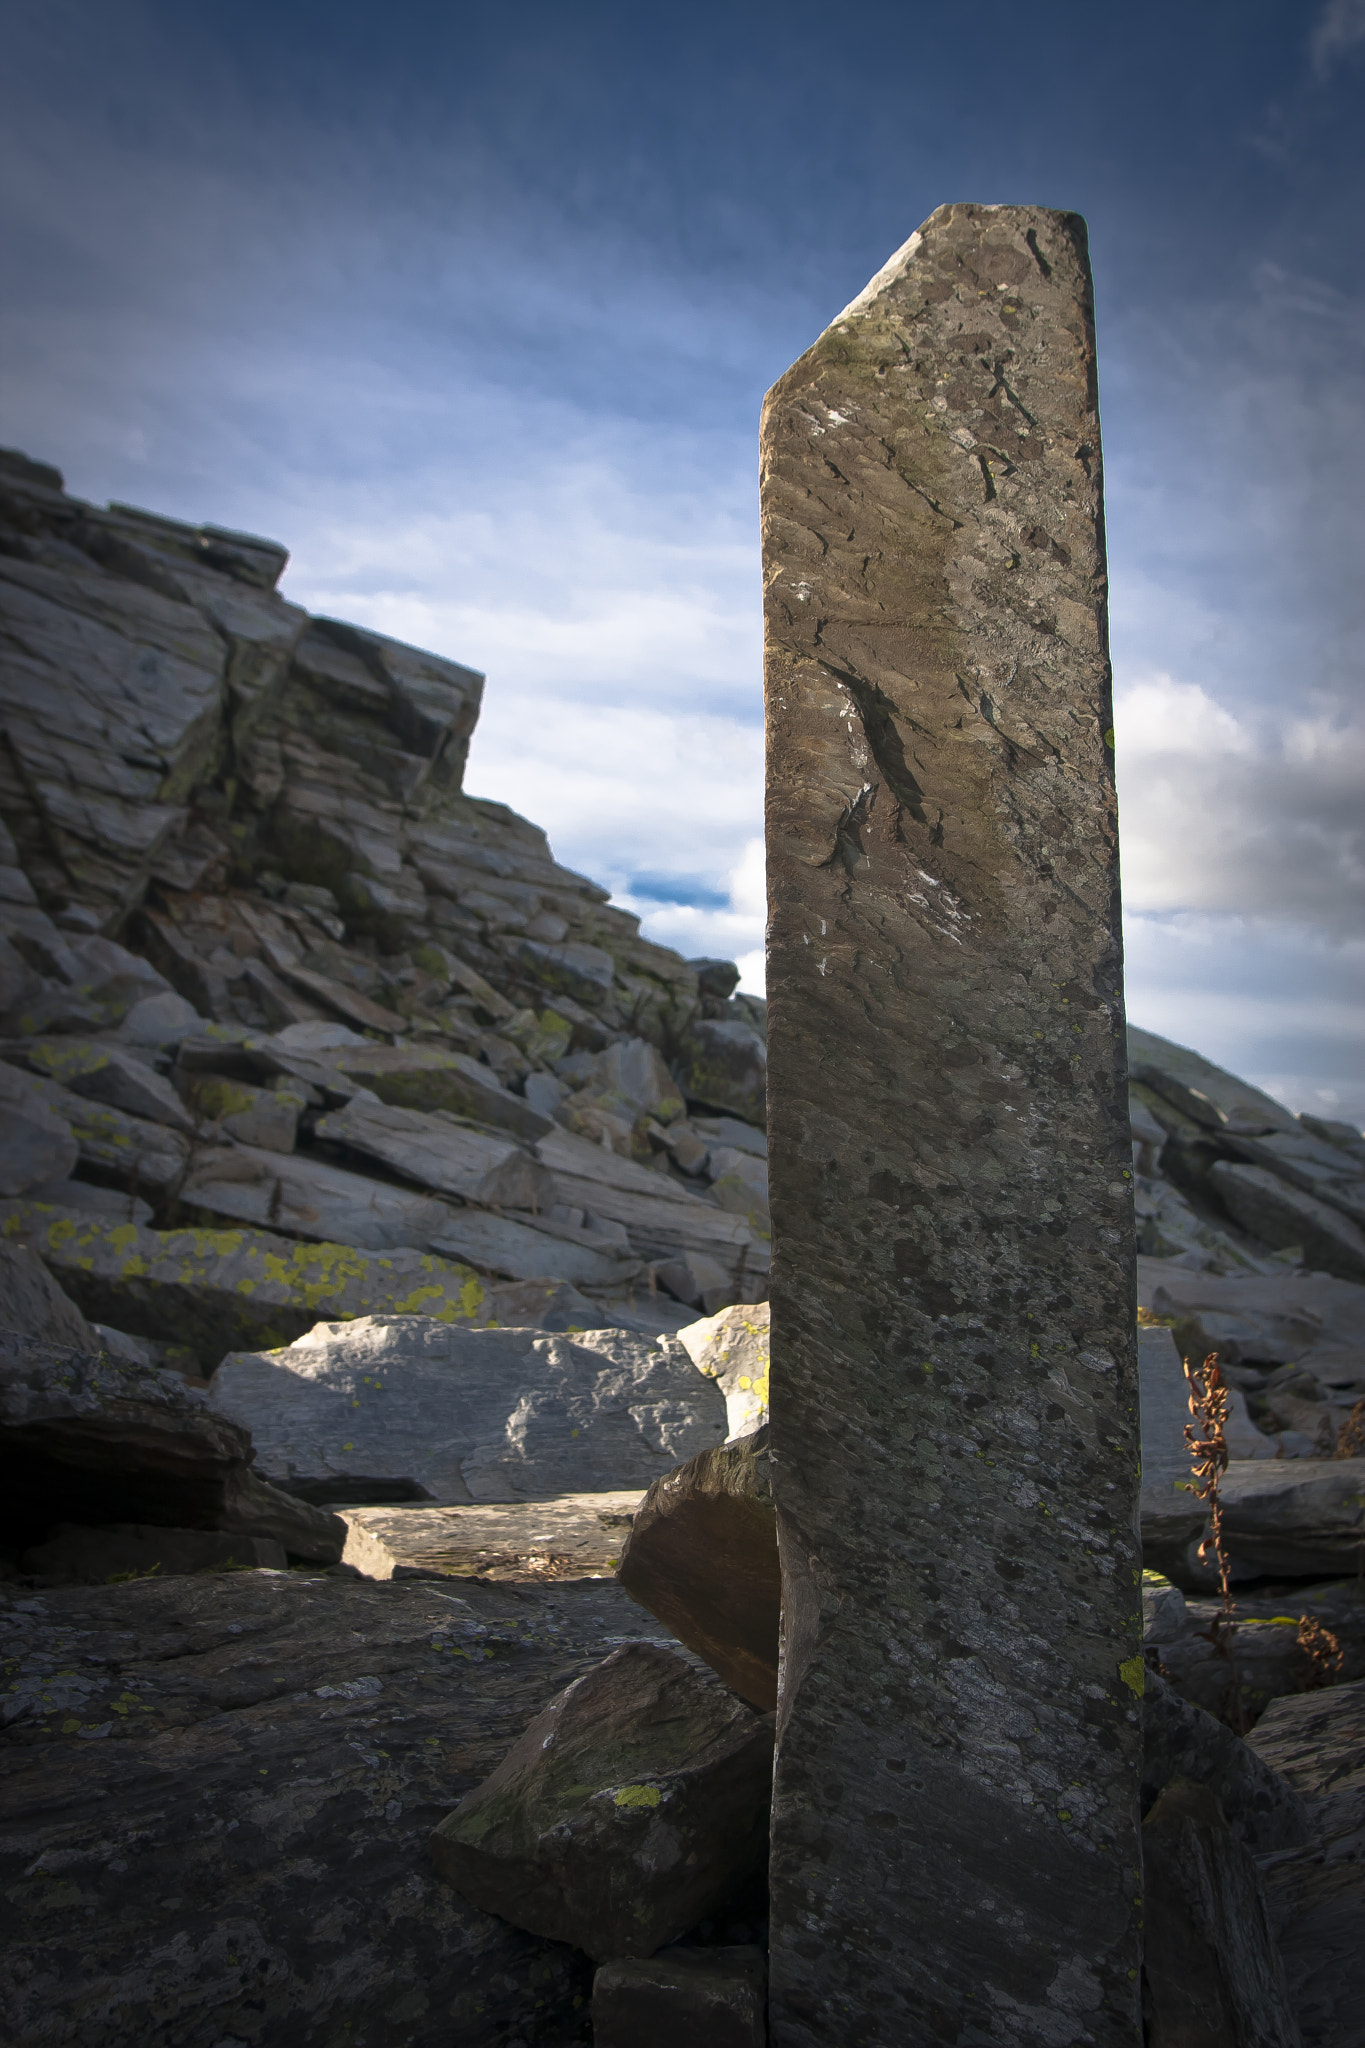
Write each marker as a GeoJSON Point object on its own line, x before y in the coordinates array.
{"type": "Point", "coordinates": [1323, 1650]}
{"type": "Point", "coordinates": [1207, 1439]}
{"type": "Point", "coordinates": [1351, 1435]}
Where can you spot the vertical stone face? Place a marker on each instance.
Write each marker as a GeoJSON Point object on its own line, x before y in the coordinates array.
{"type": "Point", "coordinates": [954, 1389]}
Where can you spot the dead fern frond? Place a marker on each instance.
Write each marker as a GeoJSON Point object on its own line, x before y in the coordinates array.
{"type": "Point", "coordinates": [1208, 1444]}
{"type": "Point", "coordinates": [1351, 1435]}
{"type": "Point", "coordinates": [1322, 1648]}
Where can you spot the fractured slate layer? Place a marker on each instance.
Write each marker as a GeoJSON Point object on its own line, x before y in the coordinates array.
{"type": "Point", "coordinates": [954, 1390]}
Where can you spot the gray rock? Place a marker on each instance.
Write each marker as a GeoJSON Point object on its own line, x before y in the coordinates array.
{"type": "Point", "coordinates": [573, 1536]}
{"type": "Point", "coordinates": [85, 1437]}
{"type": "Point", "coordinates": [425, 1409]}
{"type": "Point", "coordinates": [586, 972]}
{"type": "Point", "coordinates": [424, 1077]}
{"type": "Point", "coordinates": [697, 1280]}
{"type": "Point", "coordinates": [308, 1198]}
{"type": "Point", "coordinates": [1206, 1094]}
{"type": "Point", "coordinates": [701, 1554]}
{"type": "Point", "coordinates": [33, 1305]}
{"type": "Point", "coordinates": [530, 1250]}
{"type": "Point", "coordinates": [1211, 1968]}
{"type": "Point", "coordinates": [725, 1066]}
{"type": "Point", "coordinates": [127, 1150]}
{"type": "Point", "coordinates": [73, 1555]}
{"type": "Point", "coordinates": [216, 1289]}
{"type": "Point", "coordinates": [627, 1810]}
{"type": "Point", "coordinates": [1165, 1615]}
{"type": "Point", "coordinates": [732, 1348]}
{"type": "Point", "coordinates": [1300, 1518]}
{"type": "Point", "coordinates": [161, 1020]}
{"type": "Point", "coordinates": [951, 1163]}
{"type": "Point", "coordinates": [38, 1142]}
{"type": "Point", "coordinates": [731, 1131]}
{"type": "Point", "coordinates": [324, 1727]}
{"type": "Point", "coordinates": [430, 1147]}
{"type": "Point", "coordinates": [1281, 1215]}
{"type": "Point", "coordinates": [115, 1203]}
{"type": "Point", "coordinates": [1183, 1742]}
{"type": "Point", "coordinates": [1315, 1165]}
{"type": "Point", "coordinates": [267, 1118]}
{"type": "Point", "coordinates": [107, 1073]}
{"type": "Point", "coordinates": [1310, 1318]}
{"type": "Point", "coordinates": [1317, 1741]}
{"type": "Point", "coordinates": [683, 1996]}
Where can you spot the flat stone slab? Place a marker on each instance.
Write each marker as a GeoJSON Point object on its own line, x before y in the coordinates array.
{"type": "Point", "coordinates": [575, 1536]}
{"type": "Point", "coordinates": [681, 1997]}
{"type": "Point", "coordinates": [407, 1407]}
{"type": "Point", "coordinates": [237, 1774]}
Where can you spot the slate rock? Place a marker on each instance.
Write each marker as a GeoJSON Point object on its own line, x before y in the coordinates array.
{"type": "Point", "coordinates": [86, 1437]}
{"type": "Point", "coordinates": [681, 1997]}
{"type": "Point", "coordinates": [36, 1143]}
{"type": "Point", "coordinates": [108, 1073]}
{"type": "Point", "coordinates": [1211, 1971]}
{"type": "Point", "coordinates": [71, 1554]}
{"type": "Point", "coordinates": [732, 1348]}
{"type": "Point", "coordinates": [214, 1290]}
{"type": "Point", "coordinates": [1295, 1518]}
{"type": "Point", "coordinates": [33, 1305]}
{"type": "Point", "coordinates": [701, 1554]}
{"type": "Point", "coordinates": [572, 1536]}
{"type": "Point", "coordinates": [1182, 1742]}
{"type": "Point", "coordinates": [1201, 1091]}
{"type": "Point", "coordinates": [725, 1066]}
{"type": "Point", "coordinates": [407, 1407]}
{"type": "Point", "coordinates": [127, 1150]}
{"type": "Point", "coordinates": [430, 1147]}
{"type": "Point", "coordinates": [266, 1118]}
{"type": "Point", "coordinates": [1281, 1215]}
{"type": "Point", "coordinates": [236, 1774]}
{"type": "Point", "coordinates": [719, 978]}
{"type": "Point", "coordinates": [1317, 1741]}
{"type": "Point", "coordinates": [629, 1809]}
{"type": "Point", "coordinates": [306, 1197]}
{"type": "Point", "coordinates": [424, 1077]}
{"type": "Point", "coordinates": [522, 1249]}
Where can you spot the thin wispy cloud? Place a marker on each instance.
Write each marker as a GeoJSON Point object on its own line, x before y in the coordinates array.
{"type": "Point", "coordinates": [1339, 29]}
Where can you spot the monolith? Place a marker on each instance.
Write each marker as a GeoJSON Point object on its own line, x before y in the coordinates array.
{"type": "Point", "coordinates": [954, 1391]}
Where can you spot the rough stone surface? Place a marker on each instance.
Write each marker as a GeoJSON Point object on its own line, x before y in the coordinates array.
{"type": "Point", "coordinates": [1281, 1215]}
{"type": "Point", "coordinates": [33, 1305]}
{"type": "Point", "coordinates": [702, 1555]}
{"type": "Point", "coordinates": [573, 1536]}
{"type": "Point", "coordinates": [951, 1165]}
{"type": "Point", "coordinates": [1211, 1970]}
{"type": "Point", "coordinates": [71, 1554]}
{"type": "Point", "coordinates": [407, 1406]}
{"type": "Point", "coordinates": [1181, 1741]}
{"type": "Point", "coordinates": [1317, 1897]}
{"type": "Point", "coordinates": [36, 1144]}
{"type": "Point", "coordinates": [732, 1348]}
{"type": "Point", "coordinates": [216, 1796]}
{"type": "Point", "coordinates": [91, 1438]}
{"type": "Point", "coordinates": [681, 1998]}
{"type": "Point", "coordinates": [630, 1807]}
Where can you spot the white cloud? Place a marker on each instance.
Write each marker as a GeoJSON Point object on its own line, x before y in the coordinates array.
{"type": "Point", "coordinates": [1339, 28]}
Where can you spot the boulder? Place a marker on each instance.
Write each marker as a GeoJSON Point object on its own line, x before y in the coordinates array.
{"type": "Point", "coordinates": [107, 1073]}
{"type": "Point", "coordinates": [305, 1197]}
{"type": "Point", "coordinates": [701, 1554]}
{"type": "Point", "coordinates": [1308, 1318]}
{"type": "Point", "coordinates": [1281, 1215]}
{"type": "Point", "coordinates": [113, 1146]}
{"type": "Point", "coordinates": [1312, 1164]}
{"type": "Point", "coordinates": [432, 1148]}
{"type": "Point", "coordinates": [228, 1780]}
{"type": "Point", "coordinates": [1317, 1742]}
{"type": "Point", "coordinates": [216, 1289]}
{"type": "Point", "coordinates": [573, 1536]}
{"type": "Point", "coordinates": [532, 1249]}
{"type": "Point", "coordinates": [627, 1811]}
{"type": "Point", "coordinates": [424, 1077]}
{"type": "Point", "coordinates": [696, 1280]}
{"type": "Point", "coordinates": [38, 1144]}
{"type": "Point", "coordinates": [732, 1349]}
{"type": "Point", "coordinates": [73, 1555]}
{"type": "Point", "coordinates": [725, 1067]}
{"type": "Point", "coordinates": [1211, 1970]}
{"type": "Point", "coordinates": [681, 1997]}
{"type": "Point", "coordinates": [1295, 1518]}
{"type": "Point", "coordinates": [89, 1438]}
{"type": "Point", "coordinates": [1180, 1741]}
{"type": "Point", "coordinates": [1202, 1092]}
{"type": "Point", "coordinates": [264, 1117]}
{"type": "Point", "coordinates": [1269, 1658]}
{"type": "Point", "coordinates": [32, 1305]}
{"type": "Point", "coordinates": [407, 1407]}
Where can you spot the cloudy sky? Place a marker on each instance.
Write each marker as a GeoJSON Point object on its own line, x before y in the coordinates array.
{"type": "Point", "coordinates": [475, 308]}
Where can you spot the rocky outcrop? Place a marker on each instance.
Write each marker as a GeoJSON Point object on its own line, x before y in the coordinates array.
{"type": "Point", "coordinates": [682, 1996]}
{"type": "Point", "coordinates": [630, 1807]}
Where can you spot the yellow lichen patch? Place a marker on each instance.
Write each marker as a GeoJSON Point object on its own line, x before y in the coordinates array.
{"type": "Point", "coordinates": [637, 1795]}
{"type": "Point", "coordinates": [1133, 1672]}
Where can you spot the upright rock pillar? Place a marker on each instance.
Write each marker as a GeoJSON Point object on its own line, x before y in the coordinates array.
{"type": "Point", "coordinates": [955, 1848]}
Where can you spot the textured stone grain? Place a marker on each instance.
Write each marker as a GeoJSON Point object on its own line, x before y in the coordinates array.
{"type": "Point", "coordinates": [954, 1387]}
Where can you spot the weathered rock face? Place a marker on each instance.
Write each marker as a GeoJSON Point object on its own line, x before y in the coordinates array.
{"type": "Point", "coordinates": [681, 1997]}
{"type": "Point", "coordinates": [627, 1810]}
{"type": "Point", "coordinates": [572, 1536]}
{"type": "Point", "coordinates": [733, 1349]}
{"type": "Point", "coordinates": [394, 1407]}
{"type": "Point", "coordinates": [1211, 1968]}
{"type": "Point", "coordinates": [217, 1794]}
{"type": "Point", "coordinates": [702, 1555]}
{"type": "Point", "coordinates": [954, 1394]}
{"type": "Point", "coordinates": [1182, 1742]}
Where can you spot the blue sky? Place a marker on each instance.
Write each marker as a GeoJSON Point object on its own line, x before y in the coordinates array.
{"type": "Point", "coordinates": [476, 311]}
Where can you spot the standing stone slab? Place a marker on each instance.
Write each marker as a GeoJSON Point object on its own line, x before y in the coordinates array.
{"type": "Point", "coordinates": [954, 1387]}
